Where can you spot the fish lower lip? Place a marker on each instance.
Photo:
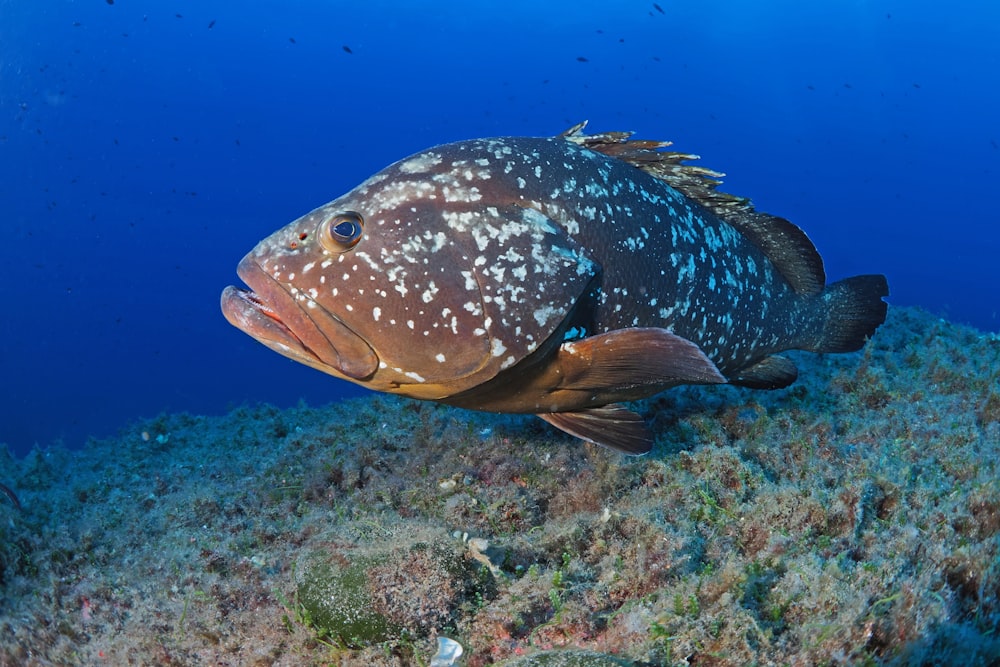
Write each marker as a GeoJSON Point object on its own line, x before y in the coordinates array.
{"type": "Point", "coordinates": [247, 311]}
{"type": "Point", "coordinates": [268, 313]}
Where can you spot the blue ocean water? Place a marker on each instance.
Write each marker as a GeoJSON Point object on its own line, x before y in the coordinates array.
{"type": "Point", "coordinates": [147, 146]}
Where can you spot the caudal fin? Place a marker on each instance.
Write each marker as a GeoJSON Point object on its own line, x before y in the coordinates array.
{"type": "Point", "coordinates": [854, 308]}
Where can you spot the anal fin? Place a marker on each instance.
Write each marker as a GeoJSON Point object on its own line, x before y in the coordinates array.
{"type": "Point", "coordinates": [774, 372]}
{"type": "Point", "coordinates": [611, 426]}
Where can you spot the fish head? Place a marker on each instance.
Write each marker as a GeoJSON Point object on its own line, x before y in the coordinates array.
{"type": "Point", "coordinates": [422, 281]}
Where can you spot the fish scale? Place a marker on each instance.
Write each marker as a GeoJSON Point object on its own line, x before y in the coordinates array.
{"type": "Point", "coordinates": [555, 276]}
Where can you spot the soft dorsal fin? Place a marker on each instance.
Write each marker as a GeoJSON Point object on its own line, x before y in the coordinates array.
{"type": "Point", "coordinates": [794, 255]}
{"type": "Point", "coordinates": [787, 246]}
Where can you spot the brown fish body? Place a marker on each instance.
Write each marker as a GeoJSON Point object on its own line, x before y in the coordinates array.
{"type": "Point", "coordinates": [553, 276]}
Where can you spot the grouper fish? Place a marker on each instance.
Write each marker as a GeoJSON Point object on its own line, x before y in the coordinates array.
{"type": "Point", "coordinates": [556, 276]}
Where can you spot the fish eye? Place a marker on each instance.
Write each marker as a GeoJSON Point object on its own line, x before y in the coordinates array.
{"type": "Point", "coordinates": [342, 232]}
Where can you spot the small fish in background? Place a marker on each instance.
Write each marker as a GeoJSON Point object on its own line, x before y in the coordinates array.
{"type": "Point", "coordinates": [553, 276]}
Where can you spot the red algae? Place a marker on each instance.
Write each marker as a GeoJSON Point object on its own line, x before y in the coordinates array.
{"type": "Point", "coordinates": [852, 518]}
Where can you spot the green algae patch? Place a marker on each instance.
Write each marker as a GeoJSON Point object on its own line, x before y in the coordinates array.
{"type": "Point", "coordinates": [362, 596]}
{"type": "Point", "coordinates": [568, 658]}
{"type": "Point", "coordinates": [335, 601]}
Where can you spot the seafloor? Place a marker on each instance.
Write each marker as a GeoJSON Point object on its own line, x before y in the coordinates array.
{"type": "Point", "coordinates": [853, 518]}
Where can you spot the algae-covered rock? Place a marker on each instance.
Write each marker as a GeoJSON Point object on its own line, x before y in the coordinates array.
{"type": "Point", "coordinates": [570, 658]}
{"type": "Point", "coordinates": [363, 596]}
{"type": "Point", "coordinates": [337, 602]}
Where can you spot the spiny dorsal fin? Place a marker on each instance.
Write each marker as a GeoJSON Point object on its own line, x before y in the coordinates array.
{"type": "Point", "coordinates": [787, 246]}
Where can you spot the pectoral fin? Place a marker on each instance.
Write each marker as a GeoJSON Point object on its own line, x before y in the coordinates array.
{"type": "Point", "coordinates": [626, 364]}
{"type": "Point", "coordinates": [630, 359]}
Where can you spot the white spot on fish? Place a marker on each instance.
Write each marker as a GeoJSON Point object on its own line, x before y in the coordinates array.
{"type": "Point", "coordinates": [421, 163]}
{"type": "Point", "coordinates": [429, 293]}
{"type": "Point", "coordinates": [546, 313]}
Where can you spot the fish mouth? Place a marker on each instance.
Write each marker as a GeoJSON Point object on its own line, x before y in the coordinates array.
{"type": "Point", "coordinates": [283, 322]}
